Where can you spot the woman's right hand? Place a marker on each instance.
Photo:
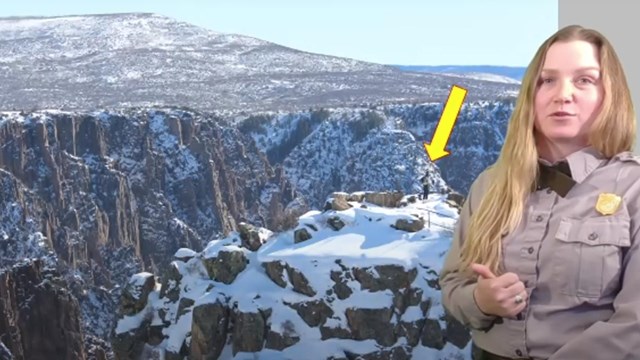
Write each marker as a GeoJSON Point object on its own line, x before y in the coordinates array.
{"type": "Point", "coordinates": [496, 295]}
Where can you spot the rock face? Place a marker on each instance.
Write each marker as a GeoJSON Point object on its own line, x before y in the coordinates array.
{"type": "Point", "coordinates": [282, 298]}
{"type": "Point", "coordinates": [109, 195]}
{"type": "Point", "coordinates": [136, 181]}
{"type": "Point", "coordinates": [39, 316]}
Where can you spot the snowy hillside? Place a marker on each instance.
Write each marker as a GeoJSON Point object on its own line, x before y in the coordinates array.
{"type": "Point", "coordinates": [357, 278]}
{"type": "Point", "coordinates": [378, 148]}
{"type": "Point", "coordinates": [121, 60]}
{"type": "Point", "coordinates": [116, 35]}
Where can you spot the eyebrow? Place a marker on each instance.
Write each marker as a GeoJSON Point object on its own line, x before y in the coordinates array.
{"type": "Point", "coordinates": [586, 68]}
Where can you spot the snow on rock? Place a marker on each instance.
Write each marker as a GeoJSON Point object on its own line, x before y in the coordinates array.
{"type": "Point", "coordinates": [183, 253]}
{"type": "Point", "coordinates": [357, 278]}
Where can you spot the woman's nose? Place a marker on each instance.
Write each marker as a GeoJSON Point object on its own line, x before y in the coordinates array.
{"type": "Point", "coordinates": [564, 91]}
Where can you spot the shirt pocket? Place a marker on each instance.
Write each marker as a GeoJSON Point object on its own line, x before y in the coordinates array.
{"type": "Point", "coordinates": [588, 256]}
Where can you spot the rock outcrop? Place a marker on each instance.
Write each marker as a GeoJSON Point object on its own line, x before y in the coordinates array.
{"type": "Point", "coordinates": [367, 286]}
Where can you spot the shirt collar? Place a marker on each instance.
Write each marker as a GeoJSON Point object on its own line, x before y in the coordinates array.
{"type": "Point", "coordinates": [581, 162]}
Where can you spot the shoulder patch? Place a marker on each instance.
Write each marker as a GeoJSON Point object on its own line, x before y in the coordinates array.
{"type": "Point", "coordinates": [628, 156]}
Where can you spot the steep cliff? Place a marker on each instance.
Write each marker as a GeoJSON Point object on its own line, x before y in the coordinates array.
{"type": "Point", "coordinates": [108, 195]}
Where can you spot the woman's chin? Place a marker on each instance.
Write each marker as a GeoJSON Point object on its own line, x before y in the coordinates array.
{"type": "Point", "coordinates": [563, 135]}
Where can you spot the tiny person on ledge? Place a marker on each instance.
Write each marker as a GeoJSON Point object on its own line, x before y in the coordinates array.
{"type": "Point", "coordinates": [544, 262]}
{"type": "Point", "coordinates": [425, 185]}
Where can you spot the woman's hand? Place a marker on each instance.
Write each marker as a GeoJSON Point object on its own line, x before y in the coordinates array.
{"type": "Point", "coordinates": [503, 296]}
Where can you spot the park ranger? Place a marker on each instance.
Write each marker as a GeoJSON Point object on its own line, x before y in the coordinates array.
{"type": "Point", "coordinates": [545, 256]}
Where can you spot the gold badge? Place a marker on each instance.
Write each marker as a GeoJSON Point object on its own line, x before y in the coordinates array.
{"type": "Point", "coordinates": [608, 203]}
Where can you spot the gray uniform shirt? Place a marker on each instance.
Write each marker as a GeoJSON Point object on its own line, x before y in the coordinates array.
{"type": "Point", "coordinates": [581, 268]}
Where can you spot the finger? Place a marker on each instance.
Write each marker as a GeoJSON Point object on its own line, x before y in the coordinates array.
{"type": "Point", "coordinates": [515, 289]}
{"type": "Point", "coordinates": [517, 309]}
{"type": "Point", "coordinates": [508, 301]}
{"type": "Point", "coordinates": [513, 305]}
{"type": "Point", "coordinates": [506, 280]}
{"type": "Point", "coordinates": [483, 271]}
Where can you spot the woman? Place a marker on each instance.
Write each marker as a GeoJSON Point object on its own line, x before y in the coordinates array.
{"type": "Point", "coordinates": [543, 260]}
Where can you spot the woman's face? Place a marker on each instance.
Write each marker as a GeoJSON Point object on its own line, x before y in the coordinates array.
{"type": "Point", "coordinates": [569, 93]}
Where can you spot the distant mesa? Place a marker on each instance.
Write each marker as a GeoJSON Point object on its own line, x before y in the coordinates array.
{"type": "Point", "coordinates": [88, 62]}
{"type": "Point", "coordinates": [508, 74]}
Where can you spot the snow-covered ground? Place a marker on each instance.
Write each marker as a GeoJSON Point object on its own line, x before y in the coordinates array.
{"type": "Point", "coordinates": [368, 238]}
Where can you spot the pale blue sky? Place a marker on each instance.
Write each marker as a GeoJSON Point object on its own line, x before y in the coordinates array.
{"type": "Point", "coordinates": [407, 32]}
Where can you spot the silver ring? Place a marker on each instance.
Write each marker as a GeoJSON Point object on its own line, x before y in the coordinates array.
{"type": "Point", "coordinates": [518, 299]}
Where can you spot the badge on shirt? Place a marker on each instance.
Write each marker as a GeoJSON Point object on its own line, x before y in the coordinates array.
{"type": "Point", "coordinates": [608, 203]}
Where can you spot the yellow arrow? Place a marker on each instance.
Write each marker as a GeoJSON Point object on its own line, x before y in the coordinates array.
{"type": "Point", "coordinates": [436, 150]}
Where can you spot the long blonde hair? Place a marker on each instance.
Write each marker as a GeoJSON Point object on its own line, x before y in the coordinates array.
{"type": "Point", "coordinates": [514, 173]}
